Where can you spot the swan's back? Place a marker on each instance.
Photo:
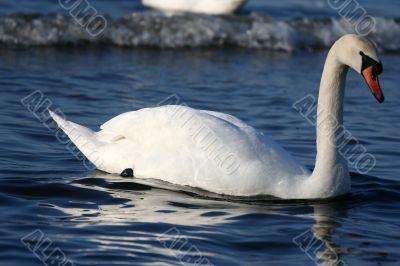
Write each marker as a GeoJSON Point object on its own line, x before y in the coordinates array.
{"type": "Point", "coordinates": [209, 150]}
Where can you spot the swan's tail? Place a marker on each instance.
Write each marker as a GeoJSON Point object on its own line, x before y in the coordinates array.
{"type": "Point", "coordinates": [83, 138]}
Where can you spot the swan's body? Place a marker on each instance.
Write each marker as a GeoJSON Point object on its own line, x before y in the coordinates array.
{"type": "Point", "coordinates": [190, 147]}
{"type": "Point", "coordinates": [212, 7]}
{"type": "Point", "coordinates": [218, 152]}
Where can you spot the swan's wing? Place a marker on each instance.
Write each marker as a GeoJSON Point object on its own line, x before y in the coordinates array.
{"type": "Point", "coordinates": [229, 118]}
{"type": "Point", "coordinates": [210, 150]}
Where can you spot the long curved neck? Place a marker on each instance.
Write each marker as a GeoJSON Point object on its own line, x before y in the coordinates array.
{"type": "Point", "coordinates": [330, 165]}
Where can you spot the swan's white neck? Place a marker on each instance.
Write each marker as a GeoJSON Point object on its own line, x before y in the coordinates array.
{"type": "Point", "coordinates": [331, 172]}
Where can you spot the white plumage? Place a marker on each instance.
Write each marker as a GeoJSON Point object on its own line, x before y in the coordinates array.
{"type": "Point", "coordinates": [212, 7]}
{"type": "Point", "coordinates": [184, 146]}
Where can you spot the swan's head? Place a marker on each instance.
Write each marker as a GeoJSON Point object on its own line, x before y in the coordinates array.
{"type": "Point", "coordinates": [360, 54]}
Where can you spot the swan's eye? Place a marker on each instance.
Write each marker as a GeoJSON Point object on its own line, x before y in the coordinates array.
{"type": "Point", "coordinates": [368, 61]}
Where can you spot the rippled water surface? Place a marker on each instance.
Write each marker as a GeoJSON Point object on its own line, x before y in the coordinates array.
{"type": "Point", "coordinates": [55, 207]}
{"type": "Point", "coordinates": [97, 218]}
{"type": "Point", "coordinates": [307, 25]}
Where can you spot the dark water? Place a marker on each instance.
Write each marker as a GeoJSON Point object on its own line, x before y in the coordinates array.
{"type": "Point", "coordinates": [53, 208]}
{"type": "Point", "coordinates": [101, 219]}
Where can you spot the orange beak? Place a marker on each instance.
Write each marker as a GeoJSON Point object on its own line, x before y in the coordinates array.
{"type": "Point", "coordinates": [373, 82]}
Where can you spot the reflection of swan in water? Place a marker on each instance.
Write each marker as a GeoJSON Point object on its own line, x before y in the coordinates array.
{"type": "Point", "coordinates": [151, 196]}
{"type": "Point", "coordinates": [316, 242]}
{"type": "Point", "coordinates": [324, 250]}
{"type": "Point", "coordinates": [148, 200]}
{"type": "Point", "coordinates": [157, 210]}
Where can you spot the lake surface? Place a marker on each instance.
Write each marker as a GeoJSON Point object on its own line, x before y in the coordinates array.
{"type": "Point", "coordinates": [55, 207]}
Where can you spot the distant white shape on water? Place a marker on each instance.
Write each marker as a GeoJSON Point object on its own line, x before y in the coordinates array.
{"type": "Point", "coordinates": [213, 7]}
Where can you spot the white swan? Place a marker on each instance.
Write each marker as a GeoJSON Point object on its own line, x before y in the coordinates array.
{"type": "Point", "coordinates": [212, 7]}
{"type": "Point", "coordinates": [219, 153]}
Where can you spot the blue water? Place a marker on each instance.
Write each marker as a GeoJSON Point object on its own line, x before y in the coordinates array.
{"type": "Point", "coordinates": [48, 192]}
